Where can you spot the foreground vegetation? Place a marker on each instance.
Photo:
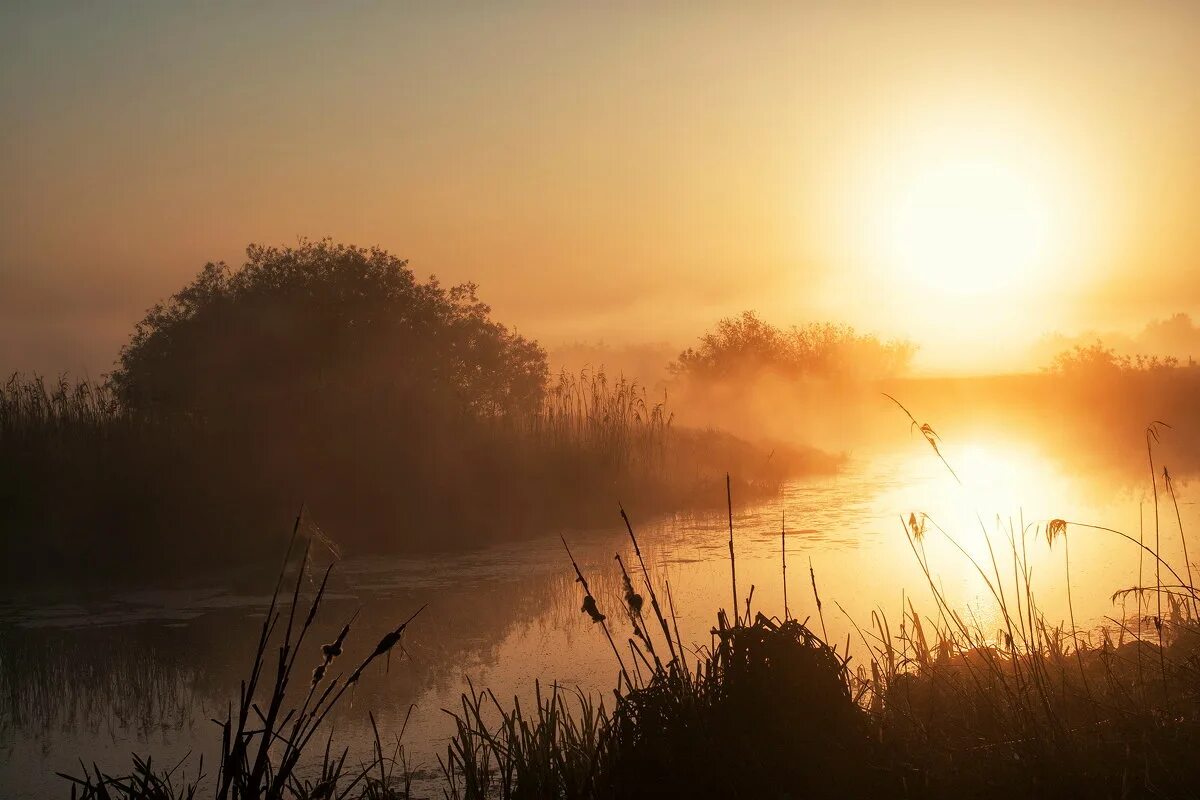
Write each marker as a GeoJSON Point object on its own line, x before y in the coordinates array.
{"type": "Point", "coordinates": [266, 734]}
{"type": "Point", "coordinates": [940, 709]}
{"type": "Point", "coordinates": [923, 706]}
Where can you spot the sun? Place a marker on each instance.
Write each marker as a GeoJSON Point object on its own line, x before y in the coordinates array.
{"type": "Point", "coordinates": [966, 211]}
{"type": "Point", "coordinates": [967, 226]}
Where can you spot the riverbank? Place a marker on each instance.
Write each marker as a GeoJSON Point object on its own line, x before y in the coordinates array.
{"type": "Point", "coordinates": [93, 493]}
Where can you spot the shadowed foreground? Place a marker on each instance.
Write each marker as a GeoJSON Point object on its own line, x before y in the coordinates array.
{"type": "Point", "coordinates": [931, 707]}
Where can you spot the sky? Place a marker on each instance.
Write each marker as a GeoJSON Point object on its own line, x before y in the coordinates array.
{"type": "Point", "coordinates": [970, 177]}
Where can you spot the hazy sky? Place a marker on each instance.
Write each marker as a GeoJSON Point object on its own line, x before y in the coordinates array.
{"type": "Point", "coordinates": [612, 171]}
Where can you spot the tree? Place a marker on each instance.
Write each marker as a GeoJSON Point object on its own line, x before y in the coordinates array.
{"type": "Point", "coordinates": [743, 345]}
{"type": "Point", "coordinates": [1097, 360]}
{"type": "Point", "coordinates": [322, 323]}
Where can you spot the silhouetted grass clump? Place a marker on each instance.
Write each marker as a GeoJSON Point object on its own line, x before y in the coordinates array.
{"type": "Point", "coordinates": [938, 708]}
{"type": "Point", "coordinates": [767, 709]}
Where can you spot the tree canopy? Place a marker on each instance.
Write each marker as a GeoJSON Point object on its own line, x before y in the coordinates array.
{"type": "Point", "coordinates": [1097, 359]}
{"type": "Point", "coordinates": [298, 325]}
{"type": "Point", "coordinates": [746, 344]}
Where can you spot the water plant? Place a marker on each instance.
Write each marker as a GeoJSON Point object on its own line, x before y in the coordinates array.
{"type": "Point", "coordinates": [266, 733]}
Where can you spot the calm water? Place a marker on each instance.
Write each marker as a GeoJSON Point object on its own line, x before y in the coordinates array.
{"type": "Point", "coordinates": [147, 671]}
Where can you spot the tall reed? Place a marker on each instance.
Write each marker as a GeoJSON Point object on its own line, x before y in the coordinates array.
{"type": "Point", "coordinates": [936, 706]}
{"type": "Point", "coordinates": [266, 733]}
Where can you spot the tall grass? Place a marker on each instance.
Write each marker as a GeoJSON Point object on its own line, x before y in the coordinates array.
{"type": "Point", "coordinates": [616, 419]}
{"type": "Point", "coordinates": [766, 708]}
{"type": "Point", "coordinates": [88, 487]}
{"type": "Point", "coordinates": [268, 731]}
{"type": "Point", "coordinates": [934, 706]}
{"type": "Point", "coordinates": [31, 407]}
{"type": "Point", "coordinates": [1044, 708]}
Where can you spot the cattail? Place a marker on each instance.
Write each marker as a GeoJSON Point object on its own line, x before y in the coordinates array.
{"type": "Point", "coordinates": [384, 647]}
{"type": "Point", "coordinates": [632, 598]}
{"type": "Point", "coordinates": [317, 674]}
{"type": "Point", "coordinates": [388, 642]}
{"type": "Point", "coordinates": [334, 649]}
{"type": "Point", "coordinates": [589, 608]}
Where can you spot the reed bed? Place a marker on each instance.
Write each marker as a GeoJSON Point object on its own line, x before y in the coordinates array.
{"type": "Point", "coordinates": [30, 406]}
{"type": "Point", "coordinates": [934, 705]}
{"type": "Point", "coordinates": [1036, 708]}
{"type": "Point", "coordinates": [615, 418]}
{"type": "Point", "coordinates": [99, 484]}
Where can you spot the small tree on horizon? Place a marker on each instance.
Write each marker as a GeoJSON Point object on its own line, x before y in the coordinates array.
{"type": "Point", "coordinates": [745, 344]}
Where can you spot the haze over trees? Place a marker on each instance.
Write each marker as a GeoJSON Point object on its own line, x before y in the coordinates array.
{"type": "Point", "coordinates": [397, 410]}
{"type": "Point", "coordinates": [1175, 336]}
{"type": "Point", "coordinates": [742, 346]}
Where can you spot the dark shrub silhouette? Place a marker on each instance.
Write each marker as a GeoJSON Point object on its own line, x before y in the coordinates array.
{"type": "Point", "coordinates": [741, 346]}
{"type": "Point", "coordinates": [325, 319]}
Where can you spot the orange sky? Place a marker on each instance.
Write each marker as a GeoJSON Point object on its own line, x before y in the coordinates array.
{"type": "Point", "coordinates": [622, 172]}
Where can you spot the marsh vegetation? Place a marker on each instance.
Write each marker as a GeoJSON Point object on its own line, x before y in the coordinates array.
{"type": "Point", "coordinates": [408, 421]}
{"type": "Point", "coordinates": [930, 702]}
{"type": "Point", "coordinates": [398, 411]}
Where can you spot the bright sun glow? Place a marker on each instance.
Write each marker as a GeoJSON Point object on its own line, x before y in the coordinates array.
{"type": "Point", "coordinates": [968, 227]}
{"type": "Point", "coordinates": [968, 216]}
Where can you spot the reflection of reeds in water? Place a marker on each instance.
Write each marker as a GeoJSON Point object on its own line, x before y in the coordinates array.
{"type": "Point", "coordinates": [50, 682]}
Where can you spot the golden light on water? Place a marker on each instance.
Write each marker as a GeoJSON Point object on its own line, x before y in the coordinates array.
{"type": "Point", "coordinates": [1001, 476]}
{"type": "Point", "coordinates": [1006, 491]}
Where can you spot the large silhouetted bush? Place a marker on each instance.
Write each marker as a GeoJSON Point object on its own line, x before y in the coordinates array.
{"type": "Point", "coordinates": [323, 322]}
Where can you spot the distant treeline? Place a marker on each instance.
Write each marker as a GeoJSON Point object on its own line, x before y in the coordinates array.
{"type": "Point", "coordinates": [741, 346]}
{"type": "Point", "coordinates": [1098, 360]}
{"type": "Point", "coordinates": [825, 384]}
{"type": "Point", "coordinates": [396, 410]}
